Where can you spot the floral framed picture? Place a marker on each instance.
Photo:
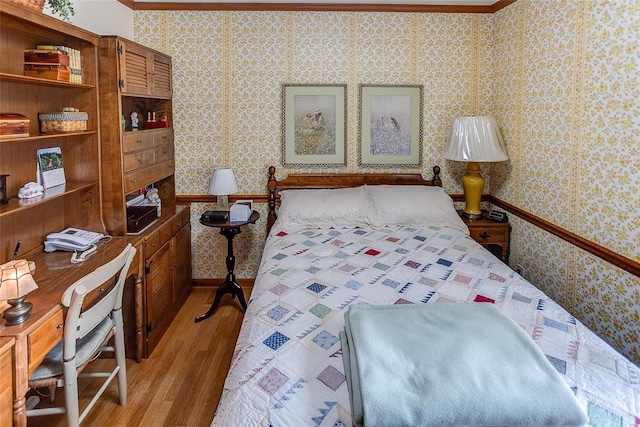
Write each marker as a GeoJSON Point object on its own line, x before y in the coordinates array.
{"type": "Point", "coordinates": [390, 128]}
{"type": "Point", "coordinates": [314, 125]}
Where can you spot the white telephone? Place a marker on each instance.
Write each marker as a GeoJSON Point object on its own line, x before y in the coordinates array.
{"type": "Point", "coordinates": [71, 239]}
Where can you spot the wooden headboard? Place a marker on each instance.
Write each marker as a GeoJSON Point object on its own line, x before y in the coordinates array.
{"type": "Point", "coordinates": [339, 180]}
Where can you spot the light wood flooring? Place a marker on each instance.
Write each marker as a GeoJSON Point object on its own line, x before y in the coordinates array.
{"type": "Point", "coordinates": [180, 384]}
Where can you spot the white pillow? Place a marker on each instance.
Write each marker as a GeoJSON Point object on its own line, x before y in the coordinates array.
{"type": "Point", "coordinates": [340, 208]}
{"type": "Point", "coordinates": [416, 205]}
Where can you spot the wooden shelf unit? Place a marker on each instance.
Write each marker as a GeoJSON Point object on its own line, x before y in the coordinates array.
{"type": "Point", "coordinates": [78, 202]}
{"type": "Point", "coordinates": [136, 78]}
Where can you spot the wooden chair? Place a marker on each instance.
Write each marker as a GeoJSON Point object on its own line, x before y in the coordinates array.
{"type": "Point", "coordinates": [87, 331]}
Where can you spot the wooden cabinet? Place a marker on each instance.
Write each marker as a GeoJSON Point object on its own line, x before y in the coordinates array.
{"type": "Point", "coordinates": [78, 202]}
{"type": "Point", "coordinates": [493, 235]}
{"type": "Point", "coordinates": [181, 255]}
{"type": "Point", "coordinates": [6, 381]}
{"type": "Point", "coordinates": [135, 78]}
{"type": "Point", "coordinates": [133, 159]}
{"type": "Point", "coordinates": [143, 71]}
{"type": "Point", "coordinates": [167, 274]}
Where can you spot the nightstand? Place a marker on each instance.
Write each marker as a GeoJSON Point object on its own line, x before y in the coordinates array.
{"type": "Point", "coordinates": [492, 235]}
{"type": "Point", "coordinates": [229, 230]}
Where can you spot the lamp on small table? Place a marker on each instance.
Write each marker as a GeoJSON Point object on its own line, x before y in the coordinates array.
{"type": "Point", "coordinates": [475, 139]}
{"type": "Point", "coordinates": [222, 184]}
{"type": "Point", "coordinates": [15, 283]}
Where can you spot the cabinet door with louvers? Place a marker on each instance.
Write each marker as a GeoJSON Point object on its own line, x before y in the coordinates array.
{"type": "Point", "coordinates": [135, 69]}
{"type": "Point", "coordinates": [159, 294]}
{"type": "Point", "coordinates": [161, 77]}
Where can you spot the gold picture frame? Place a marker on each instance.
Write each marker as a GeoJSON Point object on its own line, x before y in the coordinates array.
{"type": "Point", "coordinates": [390, 127]}
{"type": "Point", "coordinates": [314, 125]}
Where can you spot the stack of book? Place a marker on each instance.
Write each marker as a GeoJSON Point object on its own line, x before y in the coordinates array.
{"type": "Point", "coordinates": [75, 63]}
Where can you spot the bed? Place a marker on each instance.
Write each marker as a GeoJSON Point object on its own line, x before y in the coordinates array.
{"type": "Point", "coordinates": [388, 240]}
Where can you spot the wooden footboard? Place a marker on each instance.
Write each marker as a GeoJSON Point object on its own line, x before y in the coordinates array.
{"type": "Point", "coordinates": [339, 180]}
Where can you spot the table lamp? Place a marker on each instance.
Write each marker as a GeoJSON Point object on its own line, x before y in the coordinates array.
{"type": "Point", "coordinates": [475, 139]}
{"type": "Point", "coordinates": [222, 184]}
{"type": "Point", "coordinates": [15, 283]}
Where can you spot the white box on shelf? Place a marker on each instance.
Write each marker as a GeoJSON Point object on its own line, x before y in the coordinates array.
{"type": "Point", "coordinates": [239, 212]}
{"type": "Point", "coordinates": [245, 202]}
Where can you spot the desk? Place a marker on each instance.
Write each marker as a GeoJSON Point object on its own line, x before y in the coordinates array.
{"type": "Point", "coordinates": [43, 329]}
{"type": "Point", "coordinates": [229, 230]}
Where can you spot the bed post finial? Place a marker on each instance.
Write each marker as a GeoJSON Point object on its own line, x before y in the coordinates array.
{"type": "Point", "coordinates": [436, 176]}
{"type": "Point", "coordinates": [271, 186]}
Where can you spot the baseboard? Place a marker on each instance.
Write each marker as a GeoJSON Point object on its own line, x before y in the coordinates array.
{"type": "Point", "coordinates": [246, 284]}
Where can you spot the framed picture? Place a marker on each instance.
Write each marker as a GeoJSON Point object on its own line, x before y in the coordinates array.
{"type": "Point", "coordinates": [390, 126]}
{"type": "Point", "coordinates": [314, 125]}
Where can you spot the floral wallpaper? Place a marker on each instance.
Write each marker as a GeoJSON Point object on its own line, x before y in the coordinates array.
{"type": "Point", "coordinates": [561, 78]}
{"type": "Point", "coordinates": [228, 71]}
{"type": "Point", "coordinates": [566, 94]}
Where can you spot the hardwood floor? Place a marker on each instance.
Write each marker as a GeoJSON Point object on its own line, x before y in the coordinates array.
{"type": "Point", "coordinates": [180, 384]}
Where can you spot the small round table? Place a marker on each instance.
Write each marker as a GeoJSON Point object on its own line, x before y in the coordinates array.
{"type": "Point", "coordinates": [229, 230]}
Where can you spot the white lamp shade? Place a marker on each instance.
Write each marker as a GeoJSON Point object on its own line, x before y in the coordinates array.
{"type": "Point", "coordinates": [222, 182]}
{"type": "Point", "coordinates": [476, 139]}
{"type": "Point", "coordinates": [15, 280]}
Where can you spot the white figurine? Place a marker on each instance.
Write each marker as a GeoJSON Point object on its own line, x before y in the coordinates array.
{"type": "Point", "coordinates": [152, 196]}
{"type": "Point", "coordinates": [134, 120]}
{"type": "Point", "coordinates": [30, 189]}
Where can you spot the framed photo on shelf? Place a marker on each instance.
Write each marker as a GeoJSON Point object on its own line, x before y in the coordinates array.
{"type": "Point", "coordinates": [390, 128]}
{"type": "Point", "coordinates": [314, 125]}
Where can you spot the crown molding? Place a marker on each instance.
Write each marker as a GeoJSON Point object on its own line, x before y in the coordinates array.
{"type": "Point", "coordinates": [316, 7]}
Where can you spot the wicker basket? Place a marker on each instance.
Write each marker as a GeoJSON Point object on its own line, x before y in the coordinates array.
{"type": "Point", "coordinates": [31, 4]}
{"type": "Point", "coordinates": [63, 122]}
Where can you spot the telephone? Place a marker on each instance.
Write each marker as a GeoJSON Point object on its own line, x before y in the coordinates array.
{"type": "Point", "coordinates": [71, 239]}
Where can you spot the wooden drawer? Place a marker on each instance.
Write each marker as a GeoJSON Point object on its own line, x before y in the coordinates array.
{"type": "Point", "coordinates": [163, 137]}
{"type": "Point", "coordinates": [152, 245]}
{"type": "Point", "coordinates": [166, 232]}
{"type": "Point", "coordinates": [163, 153]}
{"type": "Point", "coordinates": [486, 235]}
{"type": "Point", "coordinates": [138, 160]}
{"type": "Point", "coordinates": [177, 223]}
{"type": "Point", "coordinates": [137, 141]}
{"type": "Point", "coordinates": [142, 177]}
{"type": "Point", "coordinates": [44, 339]}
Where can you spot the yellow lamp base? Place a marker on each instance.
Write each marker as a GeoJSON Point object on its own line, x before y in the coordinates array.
{"type": "Point", "coordinates": [473, 184]}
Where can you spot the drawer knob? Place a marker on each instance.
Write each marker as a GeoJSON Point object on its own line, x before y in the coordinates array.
{"type": "Point", "coordinates": [59, 326]}
{"type": "Point", "coordinates": [485, 235]}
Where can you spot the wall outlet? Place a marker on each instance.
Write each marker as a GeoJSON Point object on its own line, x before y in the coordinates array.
{"type": "Point", "coordinates": [520, 269]}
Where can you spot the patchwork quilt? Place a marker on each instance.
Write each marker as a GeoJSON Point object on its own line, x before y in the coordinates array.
{"type": "Point", "coordinates": [287, 367]}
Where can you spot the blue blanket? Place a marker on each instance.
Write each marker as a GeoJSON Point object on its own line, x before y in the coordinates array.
{"type": "Point", "coordinates": [449, 364]}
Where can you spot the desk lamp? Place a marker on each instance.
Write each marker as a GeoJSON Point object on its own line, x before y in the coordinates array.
{"type": "Point", "coordinates": [222, 184]}
{"type": "Point", "coordinates": [475, 139]}
{"type": "Point", "coordinates": [15, 283]}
